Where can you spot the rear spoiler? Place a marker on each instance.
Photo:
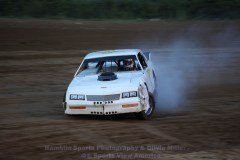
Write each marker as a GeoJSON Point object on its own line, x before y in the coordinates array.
{"type": "Point", "coordinates": [147, 55]}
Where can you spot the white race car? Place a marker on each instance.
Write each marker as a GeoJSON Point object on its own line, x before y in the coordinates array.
{"type": "Point", "coordinates": [112, 82]}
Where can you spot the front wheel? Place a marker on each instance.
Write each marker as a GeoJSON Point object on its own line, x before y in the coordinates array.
{"type": "Point", "coordinates": [64, 101]}
{"type": "Point", "coordinates": [147, 114]}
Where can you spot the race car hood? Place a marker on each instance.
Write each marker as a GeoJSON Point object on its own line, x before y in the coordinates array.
{"type": "Point", "coordinates": [126, 81]}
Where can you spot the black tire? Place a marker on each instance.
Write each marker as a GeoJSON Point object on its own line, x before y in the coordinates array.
{"type": "Point", "coordinates": [64, 101]}
{"type": "Point", "coordinates": [64, 96]}
{"type": "Point", "coordinates": [145, 115]}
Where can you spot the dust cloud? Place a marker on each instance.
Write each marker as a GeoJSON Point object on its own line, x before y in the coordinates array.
{"type": "Point", "coordinates": [183, 65]}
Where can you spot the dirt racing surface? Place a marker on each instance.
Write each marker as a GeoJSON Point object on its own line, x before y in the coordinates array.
{"type": "Point", "coordinates": [197, 102]}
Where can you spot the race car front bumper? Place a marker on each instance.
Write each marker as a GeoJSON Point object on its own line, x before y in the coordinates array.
{"type": "Point", "coordinates": [130, 105]}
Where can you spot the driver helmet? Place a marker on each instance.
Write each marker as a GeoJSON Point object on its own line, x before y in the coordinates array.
{"type": "Point", "coordinates": [128, 64]}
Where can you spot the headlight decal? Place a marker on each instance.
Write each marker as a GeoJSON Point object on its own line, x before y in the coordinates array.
{"type": "Point", "coordinates": [129, 94]}
{"type": "Point", "coordinates": [77, 97]}
{"type": "Point", "coordinates": [133, 94]}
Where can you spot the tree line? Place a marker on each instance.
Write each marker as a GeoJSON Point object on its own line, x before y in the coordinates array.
{"type": "Point", "coordinates": [122, 9]}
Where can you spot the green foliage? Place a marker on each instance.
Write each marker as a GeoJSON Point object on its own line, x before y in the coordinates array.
{"type": "Point", "coordinates": [122, 9]}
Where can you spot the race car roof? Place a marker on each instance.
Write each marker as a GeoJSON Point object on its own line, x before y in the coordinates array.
{"type": "Point", "coordinates": [109, 53]}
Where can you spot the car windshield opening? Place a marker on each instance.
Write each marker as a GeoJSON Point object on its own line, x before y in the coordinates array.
{"type": "Point", "coordinates": [109, 64]}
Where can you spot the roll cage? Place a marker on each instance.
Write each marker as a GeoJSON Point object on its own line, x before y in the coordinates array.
{"type": "Point", "coordinates": [101, 64]}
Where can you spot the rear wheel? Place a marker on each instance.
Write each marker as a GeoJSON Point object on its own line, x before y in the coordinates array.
{"type": "Point", "coordinates": [147, 114]}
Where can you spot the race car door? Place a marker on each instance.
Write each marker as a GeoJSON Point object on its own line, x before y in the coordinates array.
{"type": "Point", "coordinates": [148, 72]}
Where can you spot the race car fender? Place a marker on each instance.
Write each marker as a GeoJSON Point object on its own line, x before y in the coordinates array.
{"type": "Point", "coordinates": [144, 95]}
